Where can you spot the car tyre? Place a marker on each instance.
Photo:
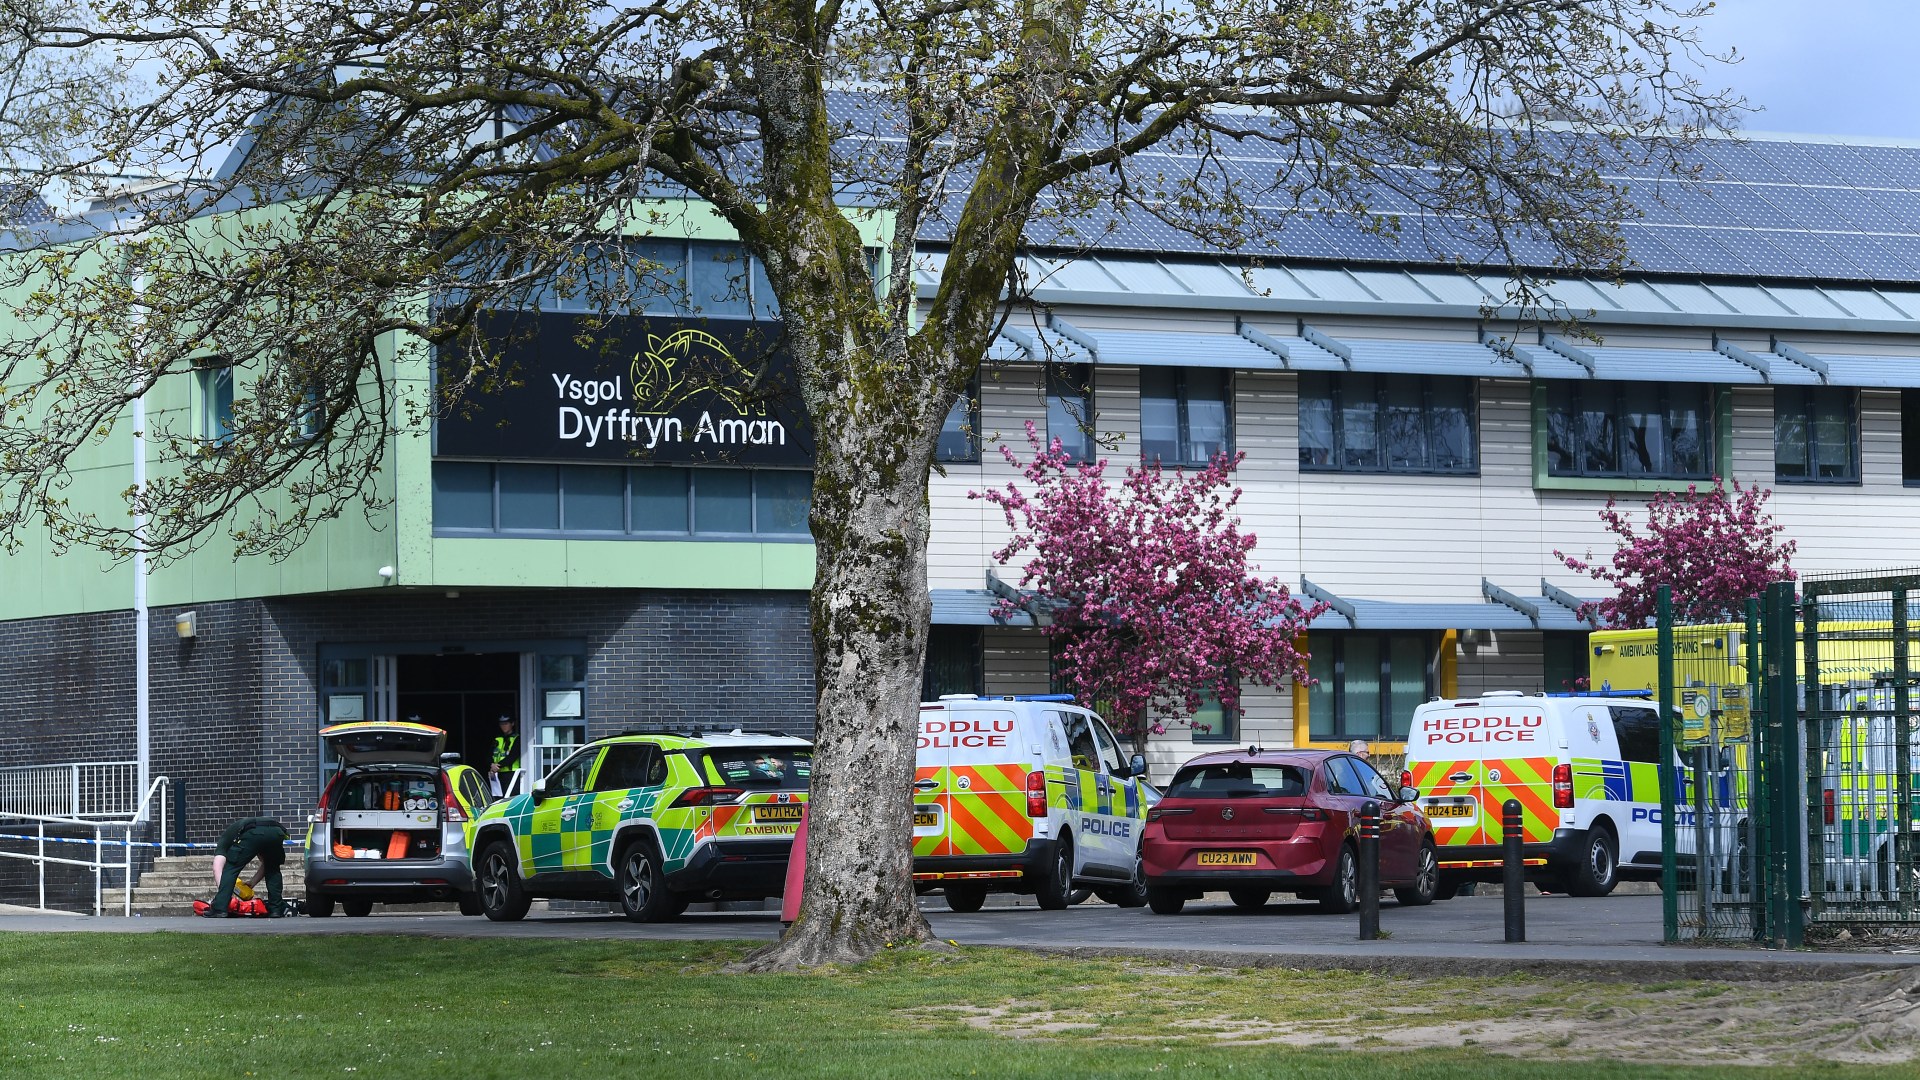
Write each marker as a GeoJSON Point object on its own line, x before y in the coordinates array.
{"type": "Point", "coordinates": [1132, 894]}
{"type": "Point", "coordinates": [642, 882]}
{"type": "Point", "coordinates": [357, 909]}
{"type": "Point", "coordinates": [1056, 882]}
{"type": "Point", "coordinates": [1249, 899]}
{"type": "Point", "coordinates": [470, 904]}
{"type": "Point", "coordinates": [502, 898]}
{"type": "Point", "coordinates": [1598, 869]}
{"type": "Point", "coordinates": [966, 899]}
{"type": "Point", "coordinates": [1426, 880]}
{"type": "Point", "coordinates": [1343, 894]}
{"type": "Point", "coordinates": [319, 904]}
{"type": "Point", "coordinates": [1166, 901]}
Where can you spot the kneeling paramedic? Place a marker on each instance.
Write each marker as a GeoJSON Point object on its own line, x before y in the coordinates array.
{"type": "Point", "coordinates": [251, 838]}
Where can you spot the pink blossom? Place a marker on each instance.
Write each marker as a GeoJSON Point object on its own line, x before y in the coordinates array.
{"type": "Point", "coordinates": [1716, 548]}
{"type": "Point", "coordinates": [1159, 606]}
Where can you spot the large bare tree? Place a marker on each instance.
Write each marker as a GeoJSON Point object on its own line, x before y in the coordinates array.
{"type": "Point", "coordinates": [435, 158]}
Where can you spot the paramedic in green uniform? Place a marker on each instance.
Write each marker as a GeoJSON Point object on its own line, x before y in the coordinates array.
{"type": "Point", "coordinates": [506, 757]}
{"type": "Point", "coordinates": [245, 840]}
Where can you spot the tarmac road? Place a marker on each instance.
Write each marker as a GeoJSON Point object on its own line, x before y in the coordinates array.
{"type": "Point", "coordinates": [1618, 933]}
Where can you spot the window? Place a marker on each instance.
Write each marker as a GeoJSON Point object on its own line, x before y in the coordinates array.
{"type": "Point", "coordinates": [1639, 733]}
{"type": "Point", "coordinates": [1563, 656]}
{"type": "Point", "coordinates": [1070, 409]}
{"type": "Point", "coordinates": [1213, 722]}
{"type": "Point", "coordinates": [1080, 740]}
{"type": "Point", "coordinates": [626, 765]}
{"type": "Point", "coordinates": [960, 431]}
{"type": "Point", "coordinates": [1185, 415]}
{"type": "Point", "coordinates": [611, 502]}
{"type": "Point", "coordinates": [216, 405]}
{"type": "Point", "coordinates": [1910, 437]}
{"type": "Point", "coordinates": [563, 713]}
{"type": "Point", "coordinates": [1370, 779]}
{"type": "Point", "coordinates": [1109, 748]}
{"type": "Point", "coordinates": [1816, 435]}
{"type": "Point", "coordinates": [955, 662]}
{"type": "Point", "coordinates": [1387, 423]}
{"type": "Point", "coordinates": [661, 276]}
{"type": "Point", "coordinates": [1632, 430]}
{"type": "Point", "coordinates": [1231, 780]}
{"type": "Point", "coordinates": [571, 778]}
{"type": "Point", "coordinates": [1366, 685]}
{"type": "Point", "coordinates": [1342, 779]}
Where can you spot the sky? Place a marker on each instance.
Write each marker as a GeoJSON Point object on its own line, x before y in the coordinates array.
{"type": "Point", "coordinates": [1822, 67]}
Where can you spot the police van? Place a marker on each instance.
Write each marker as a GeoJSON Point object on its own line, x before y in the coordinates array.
{"type": "Point", "coordinates": [1026, 794]}
{"type": "Point", "coordinates": [1585, 770]}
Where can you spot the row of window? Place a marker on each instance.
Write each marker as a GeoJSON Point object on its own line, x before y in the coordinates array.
{"type": "Point", "coordinates": [608, 501]}
{"type": "Point", "coordinates": [1352, 422]}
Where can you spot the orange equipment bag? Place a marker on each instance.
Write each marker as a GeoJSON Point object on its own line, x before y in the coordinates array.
{"type": "Point", "coordinates": [397, 845]}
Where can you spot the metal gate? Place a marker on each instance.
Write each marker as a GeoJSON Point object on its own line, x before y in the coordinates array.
{"type": "Point", "coordinates": [1791, 798]}
{"type": "Point", "coordinates": [1861, 754]}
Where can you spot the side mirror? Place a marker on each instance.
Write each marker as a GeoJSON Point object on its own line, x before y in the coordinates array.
{"type": "Point", "coordinates": [1409, 794]}
{"type": "Point", "coordinates": [540, 794]}
{"type": "Point", "coordinates": [1137, 765]}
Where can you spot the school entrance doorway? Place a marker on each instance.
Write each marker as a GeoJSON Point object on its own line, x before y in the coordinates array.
{"type": "Point", "coordinates": [462, 694]}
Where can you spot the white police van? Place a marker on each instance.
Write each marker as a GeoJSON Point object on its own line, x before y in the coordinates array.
{"type": "Point", "coordinates": [1026, 794]}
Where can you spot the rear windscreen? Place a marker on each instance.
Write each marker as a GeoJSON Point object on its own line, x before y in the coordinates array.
{"type": "Point", "coordinates": [1238, 780]}
{"type": "Point", "coordinates": [768, 767]}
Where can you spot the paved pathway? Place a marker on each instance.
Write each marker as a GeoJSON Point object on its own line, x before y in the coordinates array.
{"type": "Point", "coordinates": [1617, 934]}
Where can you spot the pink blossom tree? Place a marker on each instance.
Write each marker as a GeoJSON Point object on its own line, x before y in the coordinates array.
{"type": "Point", "coordinates": [1155, 605]}
{"type": "Point", "coordinates": [1717, 548]}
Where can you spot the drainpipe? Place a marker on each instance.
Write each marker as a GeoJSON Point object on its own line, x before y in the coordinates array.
{"type": "Point", "coordinates": [141, 734]}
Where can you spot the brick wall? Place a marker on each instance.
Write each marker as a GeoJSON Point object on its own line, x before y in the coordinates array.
{"type": "Point", "coordinates": [234, 710]}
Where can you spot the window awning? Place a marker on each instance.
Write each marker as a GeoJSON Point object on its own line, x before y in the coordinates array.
{"type": "Point", "coordinates": [1551, 609]}
{"type": "Point", "coordinates": [970, 607]}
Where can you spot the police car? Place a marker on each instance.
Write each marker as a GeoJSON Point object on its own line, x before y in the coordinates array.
{"type": "Point", "coordinates": [1026, 794]}
{"type": "Point", "coordinates": [652, 819]}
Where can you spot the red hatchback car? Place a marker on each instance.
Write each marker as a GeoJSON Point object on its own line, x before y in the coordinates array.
{"type": "Point", "coordinates": [1255, 822]}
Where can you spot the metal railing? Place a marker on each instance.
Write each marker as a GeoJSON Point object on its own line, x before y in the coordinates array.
{"type": "Point", "coordinates": [85, 811]}
{"type": "Point", "coordinates": [79, 789]}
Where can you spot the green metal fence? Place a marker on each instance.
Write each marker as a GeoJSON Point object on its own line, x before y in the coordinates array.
{"type": "Point", "coordinates": [1861, 756]}
{"type": "Point", "coordinates": [1792, 799]}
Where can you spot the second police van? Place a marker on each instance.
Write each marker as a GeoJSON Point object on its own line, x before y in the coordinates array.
{"type": "Point", "coordinates": [1025, 794]}
{"type": "Point", "coordinates": [1584, 770]}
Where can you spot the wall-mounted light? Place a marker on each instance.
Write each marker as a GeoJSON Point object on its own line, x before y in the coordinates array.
{"type": "Point", "coordinates": [386, 573]}
{"type": "Point", "coordinates": [185, 625]}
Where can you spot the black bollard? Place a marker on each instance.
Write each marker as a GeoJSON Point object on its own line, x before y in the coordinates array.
{"type": "Point", "coordinates": [1513, 870]}
{"type": "Point", "coordinates": [1370, 871]}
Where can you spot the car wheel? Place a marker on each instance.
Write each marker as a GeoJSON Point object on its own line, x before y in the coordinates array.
{"type": "Point", "coordinates": [1426, 880]}
{"type": "Point", "coordinates": [1598, 870]}
{"type": "Point", "coordinates": [357, 909]}
{"type": "Point", "coordinates": [642, 881]}
{"type": "Point", "coordinates": [318, 904]}
{"type": "Point", "coordinates": [1056, 882]}
{"type": "Point", "coordinates": [1343, 895]}
{"type": "Point", "coordinates": [1166, 901]}
{"type": "Point", "coordinates": [966, 899]}
{"type": "Point", "coordinates": [1249, 899]}
{"type": "Point", "coordinates": [1079, 896]}
{"type": "Point", "coordinates": [501, 896]}
{"type": "Point", "coordinates": [470, 904]}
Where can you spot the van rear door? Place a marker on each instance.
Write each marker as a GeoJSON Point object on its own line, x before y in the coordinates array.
{"type": "Point", "coordinates": [970, 783]}
{"type": "Point", "coordinates": [1469, 757]}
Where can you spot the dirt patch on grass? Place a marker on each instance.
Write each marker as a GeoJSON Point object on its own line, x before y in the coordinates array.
{"type": "Point", "coordinates": [1869, 1019]}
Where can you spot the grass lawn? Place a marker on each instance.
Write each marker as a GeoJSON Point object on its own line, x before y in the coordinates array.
{"type": "Point", "coordinates": [181, 1005]}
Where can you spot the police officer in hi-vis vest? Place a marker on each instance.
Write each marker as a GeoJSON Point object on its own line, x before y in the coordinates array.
{"type": "Point", "coordinates": [506, 758]}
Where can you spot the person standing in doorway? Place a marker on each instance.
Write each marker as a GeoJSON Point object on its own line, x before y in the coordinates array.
{"type": "Point", "coordinates": [506, 758]}
{"type": "Point", "coordinates": [250, 838]}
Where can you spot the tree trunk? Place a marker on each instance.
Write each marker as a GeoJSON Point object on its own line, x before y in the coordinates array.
{"type": "Point", "coordinates": [870, 611]}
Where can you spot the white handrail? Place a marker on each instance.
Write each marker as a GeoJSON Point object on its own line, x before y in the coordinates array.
{"type": "Point", "coordinates": [133, 819]}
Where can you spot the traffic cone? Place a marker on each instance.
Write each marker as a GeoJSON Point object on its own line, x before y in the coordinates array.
{"type": "Point", "coordinates": [796, 872]}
